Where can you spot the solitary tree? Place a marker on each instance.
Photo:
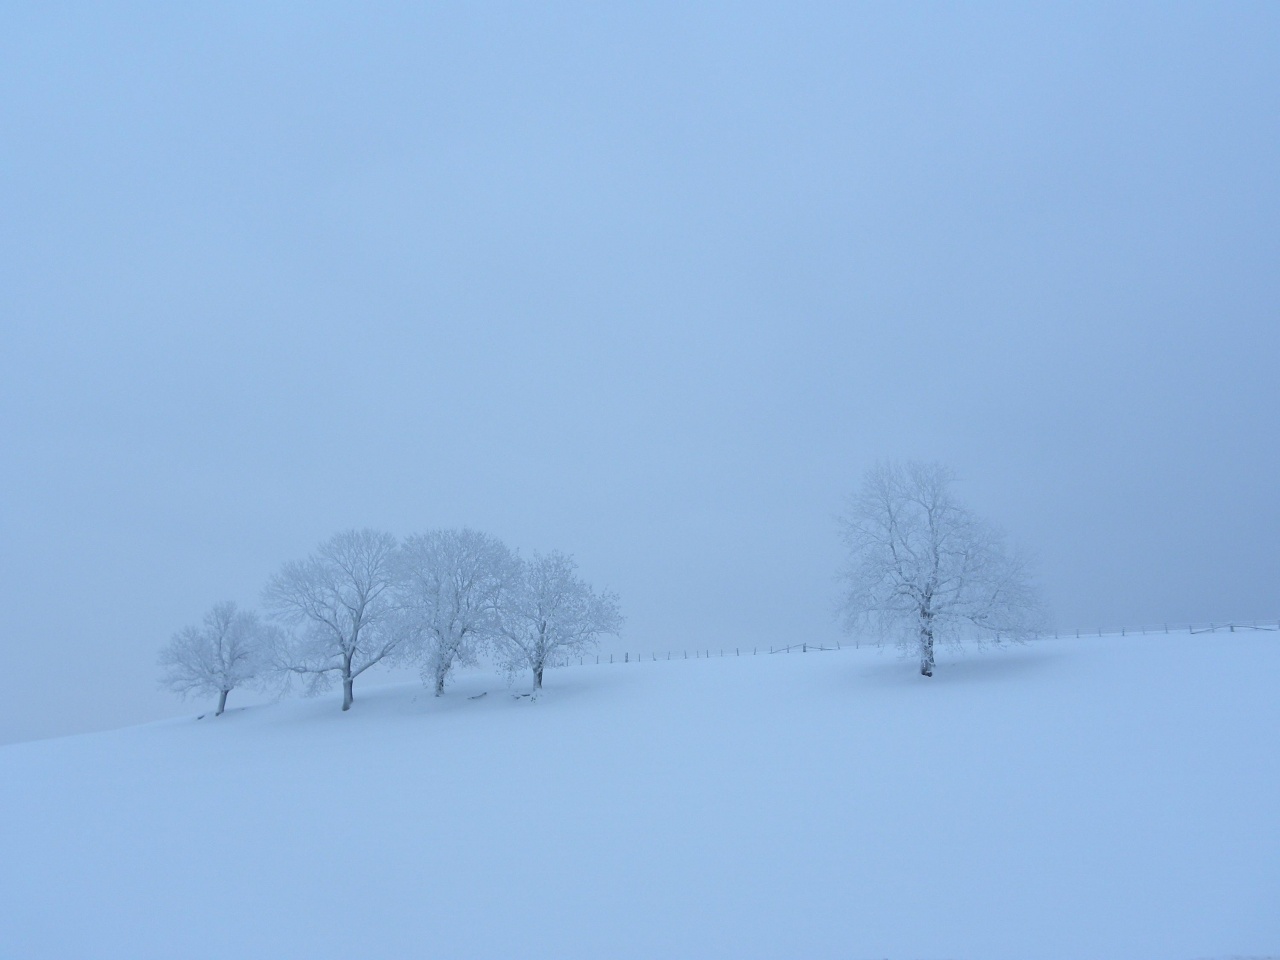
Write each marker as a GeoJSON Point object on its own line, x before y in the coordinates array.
{"type": "Point", "coordinates": [450, 584]}
{"type": "Point", "coordinates": [224, 652]}
{"type": "Point", "coordinates": [922, 568]}
{"type": "Point", "coordinates": [549, 614]}
{"type": "Point", "coordinates": [339, 602]}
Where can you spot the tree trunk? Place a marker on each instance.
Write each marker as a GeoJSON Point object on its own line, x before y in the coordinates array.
{"type": "Point", "coordinates": [222, 702]}
{"type": "Point", "coordinates": [537, 677]}
{"type": "Point", "coordinates": [439, 683]}
{"type": "Point", "coordinates": [926, 651]}
{"type": "Point", "coordinates": [348, 679]}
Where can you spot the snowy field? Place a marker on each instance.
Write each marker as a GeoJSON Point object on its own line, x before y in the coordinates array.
{"type": "Point", "coordinates": [1083, 799]}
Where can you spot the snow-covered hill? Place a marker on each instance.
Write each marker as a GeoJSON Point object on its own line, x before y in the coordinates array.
{"type": "Point", "coordinates": [1077, 799]}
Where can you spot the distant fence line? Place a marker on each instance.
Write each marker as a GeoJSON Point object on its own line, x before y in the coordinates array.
{"type": "Point", "coordinates": [708, 653]}
{"type": "Point", "coordinates": [1230, 626]}
{"type": "Point", "coordinates": [702, 653]}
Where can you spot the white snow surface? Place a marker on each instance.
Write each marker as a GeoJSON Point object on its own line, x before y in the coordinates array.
{"type": "Point", "coordinates": [1105, 798]}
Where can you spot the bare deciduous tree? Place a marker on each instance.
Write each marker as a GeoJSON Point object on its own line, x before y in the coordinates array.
{"type": "Point", "coordinates": [340, 603]}
{"type": "Point", "coordinates": [450, 585]}
{"type": "Point", "coordinates": [224, 652]}
{"type": "Point", "coordinates": [549, 614]}
{"type": "Point", "coordinates": [922, 568]}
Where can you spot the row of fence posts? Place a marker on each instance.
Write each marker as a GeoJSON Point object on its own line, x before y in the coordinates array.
{"type": "Point", "coordinates": [1192, 628]}
{"type": "Point", "coordinates": [705, 653]}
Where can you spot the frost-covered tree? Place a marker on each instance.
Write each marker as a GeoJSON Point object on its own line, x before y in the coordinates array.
{"type": "Point", "coordinates": [450, 584]}
{"type": "Point", "coordinates": [923, 569]}
{"type": "Point", "coordinates": [549, 614]}
{"type": "Point", "coordinates": [339, 602]}
{"type": "Point", "coordinates": [224, 652]}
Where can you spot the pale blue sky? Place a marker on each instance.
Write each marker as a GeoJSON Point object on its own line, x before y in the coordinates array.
{"type": "Point", "coordinates": [650, 285]}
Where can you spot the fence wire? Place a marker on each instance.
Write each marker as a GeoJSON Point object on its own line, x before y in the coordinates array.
{"type": "Point", "coordinates": [711, 653]}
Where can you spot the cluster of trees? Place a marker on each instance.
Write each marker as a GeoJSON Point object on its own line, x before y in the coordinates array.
{"type": "Point", "coordinates": [922, 569]}
{"type": "Point", "coordinates": [440, 600]}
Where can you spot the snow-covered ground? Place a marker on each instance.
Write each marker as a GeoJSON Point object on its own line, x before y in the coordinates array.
{"type": "Point", "coordinates": [1078, 799]}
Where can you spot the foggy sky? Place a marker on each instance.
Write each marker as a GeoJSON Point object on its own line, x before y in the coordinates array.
{"type": "Point", "coordinates": [651, 286]}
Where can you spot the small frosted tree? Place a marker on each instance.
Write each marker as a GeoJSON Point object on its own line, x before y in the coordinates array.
{"type": "Point", "coordinates": [223, 653]}
{"type": "Point", "coordinates": [923, 569]}
{"type": "Point", "coordinates": [339, 603]}
{"type": "Point", "coordinates": [549, 614]}
{"type": "Point", "coordinates": [449, 587]}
